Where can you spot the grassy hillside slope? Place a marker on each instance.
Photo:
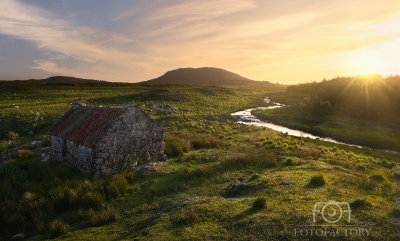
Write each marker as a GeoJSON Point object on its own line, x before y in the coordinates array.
{"type": "Point", "coordinates": [205, 76]}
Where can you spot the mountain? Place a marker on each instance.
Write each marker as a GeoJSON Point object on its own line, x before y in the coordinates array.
{"type": "Point", "coordinates": [205, 76]}
{"type": "Point", "coordinates": [65, 79]}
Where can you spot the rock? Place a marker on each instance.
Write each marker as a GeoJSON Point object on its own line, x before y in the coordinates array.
{"type": "Point", "coordinates": [148, 168]}
{"type": "Point", "coordinates": [18, 236]}
{"type": "Point", "coordinates": [179, 98]}
{"type": "Point", "coordinates": [16, 106]}
{"type": "Point", "coordinates": [221, 120]}
{"type": "Point", "coordinates": [158, 214]}
{"type": "Point", "coordinates": [168, 113]}
{"type": "Point", "coordinates": [238, 181]}
{"type": "Point", "coordinates": [167, 107]}
{"type": "Point", "coordinates": [65, 234]}
{"type": "Point", "coordinates": [208, 122]}
{"type": "Point", "coordinates": [209, 159]}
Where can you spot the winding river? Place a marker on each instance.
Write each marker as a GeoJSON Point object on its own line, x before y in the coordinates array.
{"type": "Point", "coordinates": [245, 117]}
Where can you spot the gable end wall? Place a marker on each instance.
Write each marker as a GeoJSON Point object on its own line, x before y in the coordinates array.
{"type": "Point", "coordinates": [133, 135]}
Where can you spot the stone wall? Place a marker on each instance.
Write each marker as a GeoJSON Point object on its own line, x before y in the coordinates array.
{"type": "Point", "coordinates": [69, 152]}
{"type": "Point", "coordinates": [133, 135]}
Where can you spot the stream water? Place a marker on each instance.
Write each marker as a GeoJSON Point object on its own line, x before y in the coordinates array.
{"type": "Point", "coordinates": [245, 117]}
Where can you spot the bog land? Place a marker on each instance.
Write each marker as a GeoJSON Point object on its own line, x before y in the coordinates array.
{"type": "Point", "coordinates": [222, 180]}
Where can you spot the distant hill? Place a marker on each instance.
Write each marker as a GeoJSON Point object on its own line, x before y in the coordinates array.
{"type": "Point", "coordinates": [205, 76]}
{"type": "Point", "coordinates": [65, 79]}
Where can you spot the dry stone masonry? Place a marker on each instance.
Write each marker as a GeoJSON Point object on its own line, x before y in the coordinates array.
{"type": "Point", "coordinates": [99, 141]}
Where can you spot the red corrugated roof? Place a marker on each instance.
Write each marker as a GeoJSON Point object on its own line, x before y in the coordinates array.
{"type": "Point", "coordinates": [83, 124]}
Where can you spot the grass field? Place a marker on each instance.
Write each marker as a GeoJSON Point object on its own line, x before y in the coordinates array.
{"type": "Point", "coordinates": [263, 186]}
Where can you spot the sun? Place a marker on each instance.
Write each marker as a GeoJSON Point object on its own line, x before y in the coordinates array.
{"type": "Point", "coordinates": [365, 63]}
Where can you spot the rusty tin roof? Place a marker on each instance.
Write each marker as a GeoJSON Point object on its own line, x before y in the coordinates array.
{"type": "Point", "coordinates": [83, 124]}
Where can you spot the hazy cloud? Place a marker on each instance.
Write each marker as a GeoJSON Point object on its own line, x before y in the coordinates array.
{"type": "Point", "coordinates": [281, 41]}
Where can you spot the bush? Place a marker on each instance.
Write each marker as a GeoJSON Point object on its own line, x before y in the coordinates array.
{"type": "Point", "coordinates": [186, 216]}
{"type": "Point", "coordinates": [24, 154]}
{"type": "Point", "coordinates": [45, 139]}
{"type": "Point", "coordinates": [3, 145]}
{"type": "Point", "coordinates": [116, 185]}
{"type": "Point", "coordinates": [378, 177]}
{"type": "Point", "coordinates": [315, 154]}
{"type": "Point", "coordinates": [318, 180]}
{"type": "Point", "coordinates": [358, 203]}
{"type": "Point", "coordinates": [110, 214]}
{"type": "Point", "coordinates": [58, 227]}
{"type": "Point", "coordinates": [179, 142]}
{"type": "Point", "coordinates": [259, 203]}
{"type": "Point", "coordinates": [12, 136]}
{"type": "Point", "coordinates": [200, 172]}
{"type": "Point", "coordinates": [175, 145]}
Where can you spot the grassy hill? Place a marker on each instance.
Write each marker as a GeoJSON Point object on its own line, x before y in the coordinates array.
{"type": "Point", "coordinates": [205, 76]}
{"type": "Point", "coordinates": [65, 79]}
{"type": "Point", "coordinates": [263, 185]}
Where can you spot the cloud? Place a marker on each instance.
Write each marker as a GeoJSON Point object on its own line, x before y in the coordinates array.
{"type": "Point", "coordinates": [205, 9]}
{"type": "Point", "coordinates": [53, 68]}
{"type": "Point", "coordinates": [257, 39]}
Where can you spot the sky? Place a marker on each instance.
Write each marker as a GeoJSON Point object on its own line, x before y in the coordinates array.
{"type": "Point", "coordinates": [286, 42]}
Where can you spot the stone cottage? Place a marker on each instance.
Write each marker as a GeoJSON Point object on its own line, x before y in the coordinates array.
{"type": "Point", "coordinates": [99, 141]}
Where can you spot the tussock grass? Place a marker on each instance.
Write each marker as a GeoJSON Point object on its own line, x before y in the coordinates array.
{"type": "Point", "coordinates": [58, 227]}
{"type": "Point", "coordinates": [24, 154]}
{"type": "Point", "coordinates": [259, 203]}
{"type": "Point", "coordinates": [318, 180]}
{"type": "Point", "coordinates": [179, 142]}
{"type": "Point", "coordinates": [116, 185]}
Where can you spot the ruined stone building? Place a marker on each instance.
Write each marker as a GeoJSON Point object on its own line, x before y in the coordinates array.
{"type": "Point", "coordinates": [99, 141]}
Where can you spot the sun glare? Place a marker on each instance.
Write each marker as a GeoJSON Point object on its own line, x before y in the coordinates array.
{"type": "Point", "coordinates": [365, 63]}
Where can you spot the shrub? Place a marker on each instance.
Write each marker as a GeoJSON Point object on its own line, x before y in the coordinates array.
{"type": "Point", "coordinates": [3, 145]}
{"type": "Point", "coordinates": [360, 168]}
{"type": "Point", "coordinates": [178, 142]}
{"type": "Point", "coordinates": [58, 227]}
{"type": "Point", "coordinates": [92, 199]}
{"type": "Point", "coordinates": [318, 180]}
{"type": "Point", "coordinates": [110, 214]}
{"type": "Point", "coordinates": [175, 145]}
{"type": "Point", "coordinates": [24, 154]}
{"type": "Point", "coordinates": [325, 105]}
{"type": "Point", "coordinates": [315, 154]}
{"type": "Point", "coordinates": [45, 139]}
{"type": "Point", "coordinates": [13, 136]}
{"type": "Point", "coordinates": [235, 190]}
{"type": "Point", "coordinates": [378, 177]}
{"type": "Point", "coordinates": [116, 185]}
{"type": "Point", "coordinates": [29, 146]}
{"type": "Point", "coordinates": [198, 172]}
{"type": "Point", "coordinates": [186, 216]}
{"type": "Point", "coordinates": [289, 162]}
{"type": "Point", "coordinates": [185, 171]}
{"type": "Point", "coordinates": [259, 203]}
{"type": "Point", "coordinates": [358, 203]}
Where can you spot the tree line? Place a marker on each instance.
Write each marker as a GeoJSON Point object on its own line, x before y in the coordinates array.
{"type": "Point", "coordinates": [369, 97]}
